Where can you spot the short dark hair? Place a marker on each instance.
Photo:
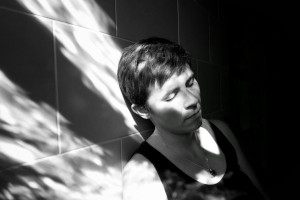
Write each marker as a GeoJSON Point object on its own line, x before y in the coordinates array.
{"type": "Point", "coordinates": [146, 62]}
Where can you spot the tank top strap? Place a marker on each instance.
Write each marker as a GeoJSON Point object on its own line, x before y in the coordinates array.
{"type": "Point", "coordinates": [160, 162]}
{"type": "Point", "coordinates": [226, 147]}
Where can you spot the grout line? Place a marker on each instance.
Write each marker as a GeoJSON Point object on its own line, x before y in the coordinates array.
{"type": "Point", "coordinates": [121, 141]}
{"type": "Point", "coordinates": [209, 40]}
{"type": "Point", "coordinates": [178, 35]}
{"type": "Point", "coordinates": [56, 88]}
{"type": "Point", "coordinates": [122, 166]}
{"type": "Point", "coordinates": [116, 19]}
{"type": "Point", "coordinates": [219, 10]}
{"type": "Point", "coordinates": [221, 89]}
{"type": "Point", "coordinates": [28, 13]}
{"type": "Point", "coordinates": [48, 157]}
{"type": "Point", "coordinates": [66, 23]}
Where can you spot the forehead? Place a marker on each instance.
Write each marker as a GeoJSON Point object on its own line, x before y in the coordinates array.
{"type": "Point", "coordinates": [173, 82]}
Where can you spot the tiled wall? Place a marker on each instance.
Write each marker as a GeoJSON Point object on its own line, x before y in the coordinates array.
{"type": "Point", "coordinates": [64, 133]}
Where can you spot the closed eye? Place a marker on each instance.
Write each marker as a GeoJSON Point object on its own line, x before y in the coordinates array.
{"type": "Point", "coordinates": [171, 95]}
{"type": "Point", "coordinates": [190, 81]}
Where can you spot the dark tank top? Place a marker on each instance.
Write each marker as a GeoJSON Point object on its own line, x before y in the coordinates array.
{"type": "Point", "coordinates": [235, 185]}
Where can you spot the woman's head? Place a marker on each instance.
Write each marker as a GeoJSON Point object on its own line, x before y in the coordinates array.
{"type": "Point", "coordinates": [155, 75]}
{"type": "Point", "coordinates": [149, 61]}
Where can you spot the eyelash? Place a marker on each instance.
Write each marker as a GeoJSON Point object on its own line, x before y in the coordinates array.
{"type": "Point", "coordinates": [171, 96]}
{"type": "Point", "coordinates": [191, 82]}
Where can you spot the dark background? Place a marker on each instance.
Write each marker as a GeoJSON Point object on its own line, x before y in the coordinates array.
{"type": "Point", "coordinates": [264, 52]}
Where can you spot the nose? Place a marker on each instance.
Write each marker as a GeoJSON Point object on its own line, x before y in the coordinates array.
{"type": "Point", "coordinates": [191, 101]}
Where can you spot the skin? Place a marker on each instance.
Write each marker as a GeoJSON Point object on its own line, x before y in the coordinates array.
{"type": "Point", "coordinates": [175, 110]}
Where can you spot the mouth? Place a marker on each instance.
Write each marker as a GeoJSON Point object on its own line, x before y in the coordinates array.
{"type": "Point", "coordinates": [194, 115]}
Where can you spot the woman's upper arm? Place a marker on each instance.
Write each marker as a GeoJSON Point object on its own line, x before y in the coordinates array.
{"type": "Point", "coordinates": [141, 181]}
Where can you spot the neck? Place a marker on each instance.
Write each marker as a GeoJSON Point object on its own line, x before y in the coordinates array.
{"type": "Point", "coordinates": [177, 141]}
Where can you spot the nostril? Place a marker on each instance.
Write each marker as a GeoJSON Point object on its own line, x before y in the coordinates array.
{"type": "Point", "coordinates": [192, 106]}
{"type": "Point", "coordinates": [191, 103]}
{"type": "Point", "coordinates": [191, 100]}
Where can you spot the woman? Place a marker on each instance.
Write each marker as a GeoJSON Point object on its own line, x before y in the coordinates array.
{"type": "Point", "coordinates": [187, 156]}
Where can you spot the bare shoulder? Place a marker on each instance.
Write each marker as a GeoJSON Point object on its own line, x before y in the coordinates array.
{"type": "Point", "coordinates": [141, 180]}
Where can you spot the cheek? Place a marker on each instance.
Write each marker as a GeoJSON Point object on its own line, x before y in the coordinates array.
{"type": "Point", "coordinates": [165, 113]}
{"type": "Point", "coordinates": [196, 90]}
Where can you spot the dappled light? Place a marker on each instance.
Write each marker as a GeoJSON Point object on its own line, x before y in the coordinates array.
{"type": "Point", "coordinates": [34, 164]}
{"type": "Point", "coordinates": [84, 13]}
{"type": "Point", "coordinates": [95, 55]}
{"type": "Point", "coordinates": [31, 128]}
{"type": "Point", "coordinates": [81, 174]}
{"type": "Point", "coordinates": [140, 181]}
{"type": "Point", "coordinates": [30, 137]}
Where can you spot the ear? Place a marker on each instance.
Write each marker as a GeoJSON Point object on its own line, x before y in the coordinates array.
{"type": "Point", "coordinates": [142, 111]}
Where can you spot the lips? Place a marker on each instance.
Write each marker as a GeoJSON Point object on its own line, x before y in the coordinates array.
{"type": "Point", "coordinates": [194, 114]}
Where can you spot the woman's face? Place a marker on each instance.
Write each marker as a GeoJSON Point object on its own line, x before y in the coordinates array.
{"type": "Point", "coordinates": [176, 106]}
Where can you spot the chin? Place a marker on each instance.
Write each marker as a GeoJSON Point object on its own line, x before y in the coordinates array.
{"type": "Point", "coordinates": [200, 123]}
{"type": "Point", "coordinates": [199, 120]}
{"type": "Point", "coordinates": [197, 124]}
